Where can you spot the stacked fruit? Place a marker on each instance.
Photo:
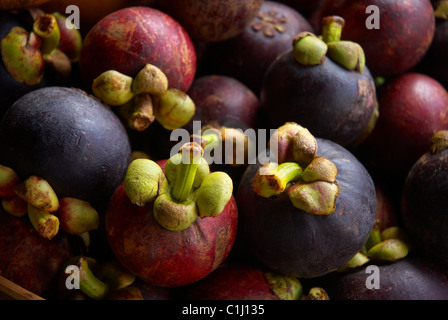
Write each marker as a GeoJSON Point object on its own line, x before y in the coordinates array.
{"type": "Point", "coordinates": [250, 149]}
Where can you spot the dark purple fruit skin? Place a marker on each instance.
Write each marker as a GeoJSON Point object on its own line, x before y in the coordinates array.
{"type": "Point", "coordinates": [247, 56]}
{"type": "Point", "coordinates": [291, 241]}
{"type": "Point", "coordinates": [69, 139]}
{"type": "Point", "coordinates": [412, 278]}
{"type": "Point", "coordinates": [232, 281]}
{"type": "Point", "coordinates": [10, 88]}
{"type": "Point", "coordinates": [330, 101]}
{"type": "Point", "coordinates": [434, 62]}
{"type": "Point", "coordinates": [28, 259]}
{"type": "Point", "coordinates": [398, 45]}
{"type": "Point", "coordinates": [213, 20]}
{"type": "Point", "coordinates": [423, 205]}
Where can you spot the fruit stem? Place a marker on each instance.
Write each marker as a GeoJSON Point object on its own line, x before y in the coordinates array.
{"type": "Point", "coordinates": [89, 284]}
{"type": "Point", "coordinates": [332, 28]}
{"type": "Point", "coordinates": [439, 141]}
{"type": "Point", "coordinates": [191, 154]}
{"type": "Point", "coordinates": [274, 181]}
{"type": "Point", "coordinates": [45, 223]}
{"type": "Point", "coordinates": [139, 112]}
{"type": "Point", "coordinates": [46, 27]}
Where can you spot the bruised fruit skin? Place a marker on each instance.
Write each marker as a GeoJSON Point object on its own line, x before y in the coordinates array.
{"type": "Point", "coordinates": [398, 45]}
{"type": "Point", "coordinates": [167, 258]}
{"type": "Point", "coordinates": [212, 21]}
{"type": "Point", "coordinates": [289, 240]}
{"type": "Point", "coordinates": [128, 39]}
{"type": "Point", "coordinates": [68, 138]}
{"type": "Point", "coordinates": [29, 260]}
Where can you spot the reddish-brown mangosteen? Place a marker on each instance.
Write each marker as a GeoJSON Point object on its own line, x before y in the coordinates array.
{"type": "Point", "coordinates": [412, 107]}
{"type": "Point", "coordinates": [90, 12]}
{"type": "Point", "coordinates": [212, 21]}
{"type": "Point", "coordinates": [322, 84]}
{"type": "Point", "coordinates": [311, 211]}
{"type": "Point", "coordinates": [28, 259]}
{"type": "Point", "coordinates": [174, 226]}
{"type": "Point", "coordinates": [128, 39]}
{"type": "Point", "coordinates": [244, 281]}
{"type": "Point", "coordinates": [247, 56]}
{"type": "Point", "coordinates": [392, 43]}
{"type": "Point", "coordinates": [424, 200]}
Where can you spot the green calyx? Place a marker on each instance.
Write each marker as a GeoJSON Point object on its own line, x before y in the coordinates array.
{"type": "Point", "coordinates": [284, 287]}
{"type": "Point", "coordinates": [439, 142]}
{"type": "Point", "coordinates": [307, 179]}
{"type": "Point", "coordinates": [348, 54]}
{"type": "Point", "coordinates": [310, 50]}
{"type": "Point", "coordinates": [145, 98]}
{"type": "Point", "coordinates": [21, 55]}
{"type": "Point", "coordinates": [183, 191]}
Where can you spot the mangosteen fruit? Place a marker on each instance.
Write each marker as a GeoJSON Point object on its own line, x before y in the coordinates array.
{"type": "Point", "coordinates": [244, 281]}
{"type": "Point", "coordinates": [128, 39]}
{"type": "Point", "coordinates": [322, 85]}
{"type": "Point", "coordinates": [172, 222]}
{"type": "Point", "coordinates": [247, 56]}
{"type": "Point", "coordinates": [68, 138]}
{"type": "Point", "coordinates": [433, 63]}
{"type": "Point", "coordinates": [424, 200]}
{"type": "Point", "coordinates": [412, 278]}
{"type": "Point", "coordinates": [395, 35]}
{"type": "Point", "coordinates": [29, 260]}
{"type": "Point", "coordinates": [412, 108]}
{"type": "Point", "coordinates": [308, 212]}
{"type": "Point", "coordinates": [212, 21]}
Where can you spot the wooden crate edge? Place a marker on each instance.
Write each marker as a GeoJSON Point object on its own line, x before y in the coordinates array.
{"type": "Point", "coordinates": [15, 292]}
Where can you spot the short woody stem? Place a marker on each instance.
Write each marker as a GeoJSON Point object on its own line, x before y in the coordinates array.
{"type": "Point", "coordinates": [275, 180]}
{"type": "Point", "coordinates": [46, 27]}
{"type": "Point", "coordinates": [191, 154]}
{"type": "Point", "coordinates": [45, 223]}
{"type": "Point", "coordinates": [332, 28]}
{"type": "Point", "coordinates": [89, 284]}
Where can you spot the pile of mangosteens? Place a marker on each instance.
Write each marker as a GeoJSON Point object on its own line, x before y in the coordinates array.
{"type": "Point", "coordinates": [224, 150]}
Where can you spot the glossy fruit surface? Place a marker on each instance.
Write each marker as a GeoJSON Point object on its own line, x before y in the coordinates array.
{"type": "Point", "coordinates": [69, 139]}
{"type": "Point", "coordinates": [394, 45]}
{"type": "Point", "coordinates": [412, 108]}
{"type": "Point", "coordinates": [331, 101]}
{"type": "Point", "coordinates": [128, 39]}
{"type": "Point", "coordinates": [292, 241]}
